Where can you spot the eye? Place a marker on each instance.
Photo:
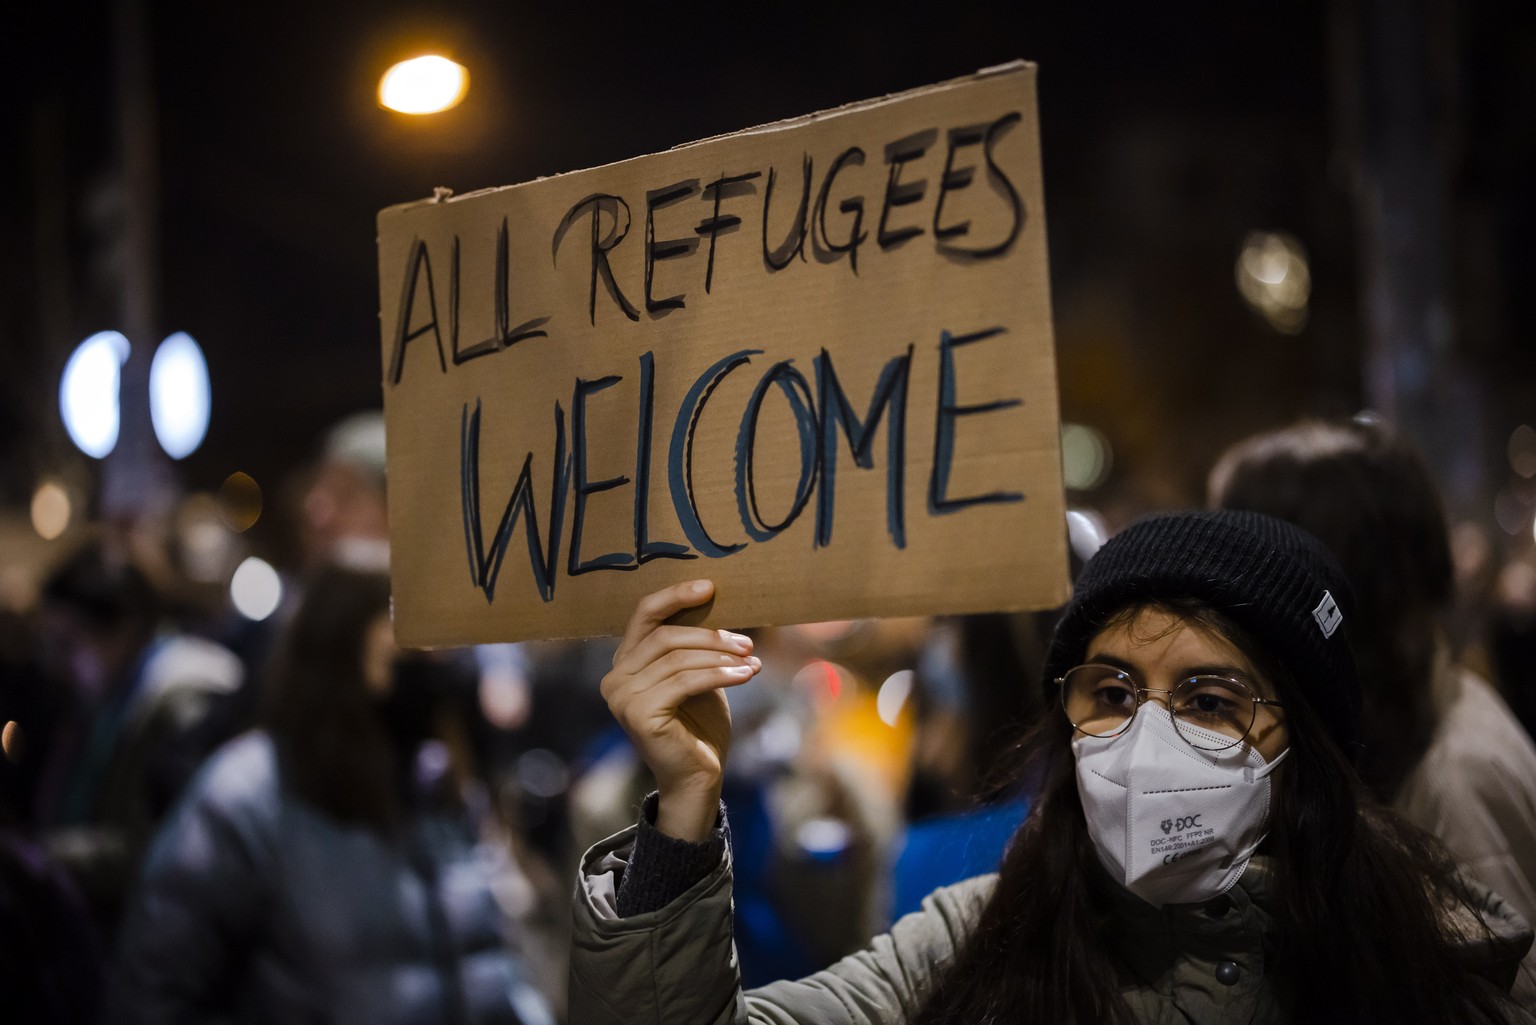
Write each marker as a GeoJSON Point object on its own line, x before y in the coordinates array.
{"type": "Point", "coordinates": [1114, 693]}
{"type": "Point", "coordinates": [1099, 700]}
{"type": "Point", "coordinates": [1210, 704]}
{"type": "Point", "coordinates": [1214, 700]}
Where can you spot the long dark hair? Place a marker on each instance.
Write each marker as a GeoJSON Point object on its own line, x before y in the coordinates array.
{"type": "Point", "coordinates": [1366, 493]}
{"type": "Point", "coordinates": [1361, 927]}
{"type": "Point", "coordinates": [332, 748]}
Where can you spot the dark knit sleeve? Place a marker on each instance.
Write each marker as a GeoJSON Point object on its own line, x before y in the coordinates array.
{"type": "Point", "coordinates": [662, 868]}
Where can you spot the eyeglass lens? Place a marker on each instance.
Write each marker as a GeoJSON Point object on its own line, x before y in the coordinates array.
{"type": "Point", "coordinates": [1209, 712]}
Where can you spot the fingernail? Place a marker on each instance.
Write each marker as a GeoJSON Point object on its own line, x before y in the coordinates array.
{"type": "Point", "coordinates": [754, 662]}
{"type": "Point", "coordinates": [699, 586]}
{"type": "Point", "coordinates": [738, 640]}
{"type": "Point", "coordinates": [740, 670]}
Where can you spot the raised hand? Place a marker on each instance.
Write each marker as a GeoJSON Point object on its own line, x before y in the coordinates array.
{"type": "Point", "coordinates": [666, 690]}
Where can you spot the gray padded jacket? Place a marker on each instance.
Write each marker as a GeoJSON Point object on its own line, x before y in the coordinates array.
{"type": "Point", "coordinates": [257, 909]}
{"type": "Point", "coordinates": [1200, 963]}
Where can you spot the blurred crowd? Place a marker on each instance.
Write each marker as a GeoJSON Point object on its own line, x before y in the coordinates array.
{"type": "Point", "coordinates": [209, 818]}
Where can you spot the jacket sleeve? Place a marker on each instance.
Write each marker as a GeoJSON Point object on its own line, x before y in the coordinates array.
{"type": "Point", "coordinates": [677, 965]}
{"type": "Point", "coordinates": [196, 912]}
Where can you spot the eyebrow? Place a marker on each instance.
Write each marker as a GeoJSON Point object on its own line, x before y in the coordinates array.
{"type": "Point", "coordinates": [1214, 669]}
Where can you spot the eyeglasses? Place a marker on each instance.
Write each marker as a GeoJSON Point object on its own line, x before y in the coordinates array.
{"type": "Point", "coordinates": [1211, 713]}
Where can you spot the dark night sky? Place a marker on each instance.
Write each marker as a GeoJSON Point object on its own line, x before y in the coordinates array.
{"type": "Point", "coordinates": [1169, 131]}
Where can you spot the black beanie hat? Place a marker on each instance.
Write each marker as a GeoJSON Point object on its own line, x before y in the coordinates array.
{"type": "Point", "coordinates": [1273, 579]}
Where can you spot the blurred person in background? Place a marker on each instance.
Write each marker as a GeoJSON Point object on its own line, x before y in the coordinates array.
{"type": "Point", "coordinates": [343, 503]}
{"type": "Point", "coordinates": [51, 964]}
{"type": "Point", "coordinates": [50, 954]}
{"type": "Point", "coordinates": [135, 696]}
{"type": "Point", "coordinates": [328, 867]}
{"type": "Point", "coordinates": [336, 509]}
{"type": "Point", "coordinates": [970, 699]}
{"type": "Point", "coordinates": [1441, 746]}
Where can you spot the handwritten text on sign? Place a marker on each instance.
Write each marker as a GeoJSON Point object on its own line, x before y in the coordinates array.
{"type": "Point", "coordinates": [812, 361]}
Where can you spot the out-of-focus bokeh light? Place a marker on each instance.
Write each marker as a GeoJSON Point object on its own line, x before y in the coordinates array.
{"type": "Point", "coordinates": [88, 393]}
{"type": "Point", "coordinates": [240, 501]}
{"type": "Point", "coordinates": [1516, 588]}
{"type": "Point", "coordinates": [1522, 451]}
{"type": "Point", "coordinates": [205, 544]}
{"type": "Point", "coordinates": [51, 510]}
{"type": "Point", "coordinates": [824, 837]}
{"type": "Point", "coordinates": [779, 738]}
{"type": "Point", "coordinates": [1085, 457]}
{"type": "Point", "coordinates": [893, 696]}
{"type": "Point", "coordinates": [1273, 276]}
{"type": "Point", "coordinates": [822, 679]}
{"type": "Point", "coordinates": [1086, 532]}
{"type": "Point", "coordinates": [256, 589]}
{"type": "Point", "coordinates": [543, 773]}
{"type": "Point", "coordinates": [1510, 512]}
{"type": "Point", "coordinates": [423, 85]}
{"type": "Point", "coordinates": [12, 742]}
{"type": "Point", "coordinates": [180, 399]}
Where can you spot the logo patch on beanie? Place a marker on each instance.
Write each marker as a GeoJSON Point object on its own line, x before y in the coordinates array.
{"type": "Point", "coordinates": [1328, 615]}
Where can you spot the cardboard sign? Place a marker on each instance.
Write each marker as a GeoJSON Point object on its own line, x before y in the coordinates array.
{"type": "Point", "coordinates": [811, 361]}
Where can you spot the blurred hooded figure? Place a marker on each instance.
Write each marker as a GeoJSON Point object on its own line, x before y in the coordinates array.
{"type": "Point", "coordinates": [1441, 746]}
{"type": "Point", "coordinates": [325, 867]}
{"type": "Point", "coordinates": [343, 508]}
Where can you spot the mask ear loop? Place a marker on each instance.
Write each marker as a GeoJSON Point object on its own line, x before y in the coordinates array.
{"type": "Point", "coordinates": [1250, 773]}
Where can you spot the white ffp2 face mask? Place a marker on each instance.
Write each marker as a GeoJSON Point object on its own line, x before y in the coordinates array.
{"type": "Point", "coordinates": [1171, 823]}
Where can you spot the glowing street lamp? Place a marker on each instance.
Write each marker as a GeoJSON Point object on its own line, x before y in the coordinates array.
{"type": "Point", "coordinates": [179, 397]}
{"type": "Point", "coordinates": [88, 393]}
{"type": "Point", "coordinates": [423, 85]}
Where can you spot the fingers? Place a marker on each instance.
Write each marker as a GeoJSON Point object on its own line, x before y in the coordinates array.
{"type": "Point", "coordinates": [663, 639]}
{"type": "Point", "coordinates": [619, 686]}
{"type": "Point", "coordinates": [656, 608]}
{"type": "Point", "coordinates": [662, 701]}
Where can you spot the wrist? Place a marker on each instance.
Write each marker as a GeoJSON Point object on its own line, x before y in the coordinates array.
{"type": "Point", "coordinates": [688, 814]}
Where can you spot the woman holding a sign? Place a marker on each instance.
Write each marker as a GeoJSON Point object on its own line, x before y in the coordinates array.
{"type": "Point", "coordinates": [1200, 848]}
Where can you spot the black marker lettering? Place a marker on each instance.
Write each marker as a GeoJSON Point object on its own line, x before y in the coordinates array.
{"type": "Point", "coordinates": [598, 202]}
{"type": "Point", "coordinates": [955, 179]}
{"type": "Point", "coordinates": [899, 193]}
{"type": "Point", "coordinates": [794, 242]}
{"type": "Point", "coordinates": [502, 336]}
{"type": "Point", "coordinates": [797, 392]}
{"type": "Point", "coordinates": [645, 548]}
{"type": "Point", "coordinates": [581, 487]}
{"type": "Point", "coordinates": [890, 393]}
{"type": "Point", "coordinates": [485, 564]}
{"type": "Point", "coordinates": [855, 156]}
{"type": "Point", "coordinates": [680, 454]}
{"type": "Point", "coordinates": [949, 411]}
{"type": "Point", "coordinates": [414, 264]}
{"type": "Point", "coordinates": [667, 248]}
{"type": "Point", "coordinates": [717, 225]}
